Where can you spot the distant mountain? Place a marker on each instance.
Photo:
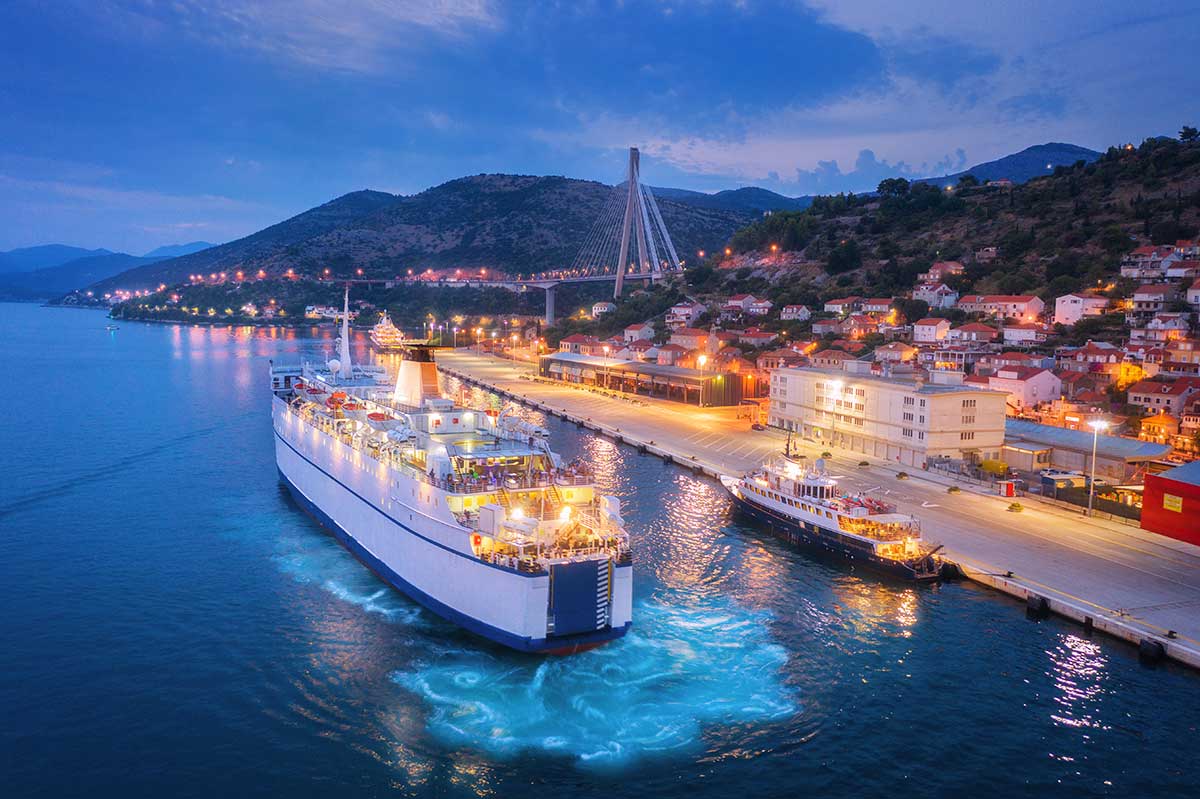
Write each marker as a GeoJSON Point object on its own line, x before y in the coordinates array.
{"type": "Point", "coordinates": [750, 199]}
{"type": "Point", "coordinates": [238, 254]}
{"type": "Point", "coordinates": [26, 259]}
{"type": "Point", "coordinates": [1032, 162]}
{"type": "Point", "coordinates": [512, 223]}
{"type": "Point", "coordinates": [176, 250]}
{"type": "Point", "coordinates": [54, 281]}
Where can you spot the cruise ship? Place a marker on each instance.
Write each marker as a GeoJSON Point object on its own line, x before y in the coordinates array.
{"type": "Point", "coordinates": [386, 337]}
{"type": "Point", "coordinates": [468, 512]}
{"type": "Point", "coordinates": [804, 506]}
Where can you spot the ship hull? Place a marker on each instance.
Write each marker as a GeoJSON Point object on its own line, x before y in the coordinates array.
{"type": "Point", "coordinates": [818, 540]}
{"type": "Point", "coordinates": [415, 553]}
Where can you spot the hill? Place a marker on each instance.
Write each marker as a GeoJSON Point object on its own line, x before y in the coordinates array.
{"type": "Point", "coordinates": [57, 280]}
{"type": "Point", "coordinates": [1032, 162]}
{"type": "Point", "coordinates": [749, 199]}
{"type": "Point", "coordinates": [176, 250]}
{"type": "Point", "coordinates": [1055, 234]}
{"type": "Point", "coordinates": [27, 259]}
{"type": "Point", "coordinates": [512, 223]}
{"type": "Point", "coordinates": [236, 254]}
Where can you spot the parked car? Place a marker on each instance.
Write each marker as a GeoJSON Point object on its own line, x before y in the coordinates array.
{"type": "Point", "coordinates": [757, 426]}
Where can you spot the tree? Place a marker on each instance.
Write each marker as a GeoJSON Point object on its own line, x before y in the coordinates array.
{"type": "Point", "coordinates": [893, 187]}
{"type": "Point", "coordinates": [1188, 133]}
{"type": "Point", "coordinates": [844, 258]}
{"type": "Point", "coordinates": [912, 310]}
{"type": "Point", "coordinates": [968, 181]}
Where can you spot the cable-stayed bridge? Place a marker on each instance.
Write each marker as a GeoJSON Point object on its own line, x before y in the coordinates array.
{"type": "Point", "coordinates": [628, 241]}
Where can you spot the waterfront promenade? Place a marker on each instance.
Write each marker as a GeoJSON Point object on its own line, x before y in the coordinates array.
{"type": "Point", "coordinates": [1116, 578]}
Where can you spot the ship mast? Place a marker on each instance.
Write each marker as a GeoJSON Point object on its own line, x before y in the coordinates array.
{"type": "Point", "coordinates": [347, 370]}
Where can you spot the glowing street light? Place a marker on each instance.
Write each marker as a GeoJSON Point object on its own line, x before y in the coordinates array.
{"type": "Point", "coordinates": [774, 248]}
{"type": "Point", "coordinates": [1097, 425]}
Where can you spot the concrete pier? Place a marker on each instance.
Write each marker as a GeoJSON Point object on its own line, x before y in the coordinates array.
{"type": "Point", "coordinates": [1111, 577]}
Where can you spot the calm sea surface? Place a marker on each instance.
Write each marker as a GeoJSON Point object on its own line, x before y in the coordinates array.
{"type": "Point", "coordinates": [172, 624]}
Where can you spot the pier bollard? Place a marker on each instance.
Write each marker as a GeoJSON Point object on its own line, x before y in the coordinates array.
{"type": "Point", "coordinates": [1037, 607]}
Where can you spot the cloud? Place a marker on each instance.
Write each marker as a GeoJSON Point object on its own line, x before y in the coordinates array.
{"type": "Point", "coordinates": [363, 36]}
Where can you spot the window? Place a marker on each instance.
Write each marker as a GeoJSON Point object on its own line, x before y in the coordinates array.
{"type": "Point", "coordinates": [907, 432]}
{"type": "Point", "coordinates": [908, 417]}
{"type": "Point", "coordinates": [966, 436]}
{"type": "Point", "coordinates": [909, 401]}
{"type": "Point", "coordinates": [968, 420]}
{"type": "Point", "coordinates": [968, 403]}
{"type": "Point", "coordinates": [922, 403]}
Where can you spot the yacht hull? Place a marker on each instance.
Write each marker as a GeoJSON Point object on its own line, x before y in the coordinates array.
{"type": "Point", "coordinates": [817, 539]}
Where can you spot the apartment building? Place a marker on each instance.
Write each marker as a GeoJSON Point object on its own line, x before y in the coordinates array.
{"type": "Point", "coordinates": [907, 421]}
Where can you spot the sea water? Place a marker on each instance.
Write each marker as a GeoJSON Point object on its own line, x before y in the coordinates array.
{"type": "Point", "coordinates": [173, 624]}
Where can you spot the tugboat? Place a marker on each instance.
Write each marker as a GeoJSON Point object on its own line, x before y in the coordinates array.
{"type": "Point", "coordinates": [804, 507]}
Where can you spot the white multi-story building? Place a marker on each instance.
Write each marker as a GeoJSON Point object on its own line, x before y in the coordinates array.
{"type": "Point", "coordinates": [905, 421]}
{"type": "Point", "coordinates": [1070, 308]}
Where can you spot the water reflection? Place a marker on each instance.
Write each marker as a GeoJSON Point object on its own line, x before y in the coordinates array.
{"type": "Point", "coordinates": [1079, 669]}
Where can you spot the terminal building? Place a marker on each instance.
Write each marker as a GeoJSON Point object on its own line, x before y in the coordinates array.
{"type": "Point", "coordinates": [1031, 447]}
{"type": "Point", "coordinates": [677, 383]}
{"type": "Point", "coordinates": [908, 421]}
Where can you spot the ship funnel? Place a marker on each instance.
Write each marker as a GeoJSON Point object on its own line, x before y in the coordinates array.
{"type": "Point", "coordinates": [417, 379]}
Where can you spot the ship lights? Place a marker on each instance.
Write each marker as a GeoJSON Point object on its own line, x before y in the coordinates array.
{"type": "Point", "coordinates": [565, 514]}
{"type": "Point", "coordinates": [518, 513]}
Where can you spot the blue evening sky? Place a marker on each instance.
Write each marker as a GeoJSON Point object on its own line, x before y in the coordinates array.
{"type": "Point", "coordinates": [132, 123]}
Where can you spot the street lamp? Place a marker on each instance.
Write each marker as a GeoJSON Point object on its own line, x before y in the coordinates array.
{"type": "Point", "coordinates": [455, 338]}
{"type": "Point", "coordinates": [606, 380]}
{"type": "Point", "coordinates": [703, 359]}
{"type": "Point", "coordinates": [1097, 425]}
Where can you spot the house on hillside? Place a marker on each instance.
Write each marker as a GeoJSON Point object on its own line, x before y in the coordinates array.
{"type": "Point", "coordinates": [795, 313]}
{"type": "Point", "coordinates": [930, 330]}
{"type": "Point", "coordinates": [601, 308]}
{"type": "Point", "coordinates": [973, 331]}
{"type": "Point", "coordinates": [1025, 307]}
{"type": "Point", "coordinates": [1024, 334]}
{"type": "Point", "coordinates": [684, 314]}
{"type": "Point", "coordinates": [844, 305]}
{"type": "Point", "coordinates": [935, 294]}
{"type": "Point", "coordinates": [641, 330]}
{"type": "Point", "coordinates": [1070, 308]}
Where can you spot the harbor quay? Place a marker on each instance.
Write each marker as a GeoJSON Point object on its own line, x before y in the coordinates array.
{"type": "Point", "coordinates": [1111, 577]}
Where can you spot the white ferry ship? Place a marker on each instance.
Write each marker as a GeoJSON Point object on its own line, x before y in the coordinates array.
{"type": "Point", "coordinates": [386, 337]}
{"type": "Point", "coordinates": [804, 506]}
{"type": "Point", "coordinates": [469, 513]}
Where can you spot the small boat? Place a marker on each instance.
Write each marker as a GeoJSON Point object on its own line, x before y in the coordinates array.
{"type": "Point", "coordinates": [112, 327]}
{"type": "Point", "coordinates": [382, 421]}
{"type": "Point", "coordinates": [355, 410]}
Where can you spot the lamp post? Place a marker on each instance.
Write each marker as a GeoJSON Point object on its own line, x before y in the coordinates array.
{"type": "Point", "coordinates": [606, 380]}
{"type": "Point", "coordinates": [1097, 425]}
{"type": "Point", "coordinates": [456, 338]}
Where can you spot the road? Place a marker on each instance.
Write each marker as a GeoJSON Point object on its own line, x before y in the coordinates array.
{"type": "Point", "coordinates": [1125, 577]}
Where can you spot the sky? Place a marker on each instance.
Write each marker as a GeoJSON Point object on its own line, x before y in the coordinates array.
{"type": "Point", "coordinates": [129, 124]}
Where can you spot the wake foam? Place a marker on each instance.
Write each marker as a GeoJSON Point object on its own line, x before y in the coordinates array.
{"type": "Point", "coordinates": [685, 664]}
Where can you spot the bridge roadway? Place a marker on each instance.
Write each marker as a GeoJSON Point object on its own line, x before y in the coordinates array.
{"type": "Point", "coordinates": [1128, 582]}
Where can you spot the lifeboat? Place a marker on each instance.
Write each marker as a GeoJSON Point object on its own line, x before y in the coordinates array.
{"type": "Point", "coordinates": [315, 394]}
{"type": "Point", "coordinates": [382, 421]}
{"type": "Point", "coordinates": [355, 411]}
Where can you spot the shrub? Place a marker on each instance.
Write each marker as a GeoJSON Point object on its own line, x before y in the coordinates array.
{"type": "Point", "coordinates": [902, 476]}
{"type": "Point", "coordinates": [826, 454]}
{"type": "Point", "coordinates": [953, 490]}
{"type": "Point", "coordinates": [864, 463]}
{"type": "Point", "coordinates": [1016, 507]}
